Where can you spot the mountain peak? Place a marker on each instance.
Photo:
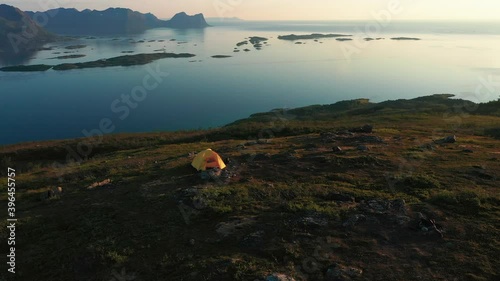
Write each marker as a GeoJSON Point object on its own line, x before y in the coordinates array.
{"type": "Point", "coordinates": [183, 20]}
{"type": "Point", "coordinates": [10, 13]}
{"type": "Point", "coordinates": [180, 14]}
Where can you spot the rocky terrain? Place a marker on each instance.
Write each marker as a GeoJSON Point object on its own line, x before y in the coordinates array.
{"type": "Point", "coordinates": [397, 190]}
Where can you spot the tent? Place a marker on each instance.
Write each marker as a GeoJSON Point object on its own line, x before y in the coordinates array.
{"type": "Point", "coordinates": [207, 159]}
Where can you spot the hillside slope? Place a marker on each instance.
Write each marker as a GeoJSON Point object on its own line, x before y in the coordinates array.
{"type": "Point", "coordinates": [350, 191]}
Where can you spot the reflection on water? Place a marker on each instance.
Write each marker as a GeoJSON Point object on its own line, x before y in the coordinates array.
{"type": "Point", "coordinates": [105, 47]}
{"type": "Point", "coordinates": [19, 58]}
{"type": "Point", "coordinates": [62, 104]}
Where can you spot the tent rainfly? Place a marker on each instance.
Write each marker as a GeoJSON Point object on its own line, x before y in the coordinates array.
{"type": "Point", "coordinates": [207, 159]}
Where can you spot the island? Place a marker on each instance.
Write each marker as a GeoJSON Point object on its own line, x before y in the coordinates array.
{"type": "Point", "coordinates": [241, 43]}
{"type": "Point", "coordinates": [26, 68]}
{"type": "Point", "coordinates": [256, 41]}
{"type": "Point", "coordinates": [127, 60]}
{"type": "Point", "coordinates": [69, 57]}
{"type": "Point", "coordinates": [74, 47]}
{"type": "Point", "coordinates": [406, 38]}
{"type": "Point", "coordinates": [371, 39]}
{"type": "Point", "coordinates": [293, 37]}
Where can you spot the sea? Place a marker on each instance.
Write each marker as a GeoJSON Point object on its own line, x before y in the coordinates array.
{"type": "Point", "coordinates": [460, 58]}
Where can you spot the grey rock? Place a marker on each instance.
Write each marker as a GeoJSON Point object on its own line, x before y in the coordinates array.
{"type": "Point", "coordinates": [354, 220]}
{"type": "Point", "coordinates": [313, 222]}
{"type": "Point", "coordinates": [448, 139]}
{"type": "Point", "coordinates": [402, 220]}
{"type": "Point", "coordinates": [399, 206]}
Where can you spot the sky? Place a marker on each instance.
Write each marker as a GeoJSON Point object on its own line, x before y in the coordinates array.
{"type": "Point", "coordinates": [290, 9]}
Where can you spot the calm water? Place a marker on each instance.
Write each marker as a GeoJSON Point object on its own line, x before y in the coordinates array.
{"type": "Point", "coordinates": [203, 92]}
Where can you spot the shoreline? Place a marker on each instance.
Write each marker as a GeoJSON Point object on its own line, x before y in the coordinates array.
{"type": "Point", "coordinates": [443, 97]}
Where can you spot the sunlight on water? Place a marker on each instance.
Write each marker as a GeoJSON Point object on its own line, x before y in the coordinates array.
{"type": "Point", "coordinates": [448, 59]}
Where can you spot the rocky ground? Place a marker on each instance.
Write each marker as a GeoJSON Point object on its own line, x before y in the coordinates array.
{"type": "Point", "coordinates": [350, 191]}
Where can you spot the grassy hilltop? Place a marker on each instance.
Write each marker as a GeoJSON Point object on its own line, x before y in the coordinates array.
{"type": "Point", "coordinates": [349, 191]}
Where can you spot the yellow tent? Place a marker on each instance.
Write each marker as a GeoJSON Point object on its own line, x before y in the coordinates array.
{"type": "Point", "coordinates": [207, 159]}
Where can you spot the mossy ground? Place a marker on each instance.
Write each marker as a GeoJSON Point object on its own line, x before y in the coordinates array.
{"type": "Point", "coordinates": [159, 220]}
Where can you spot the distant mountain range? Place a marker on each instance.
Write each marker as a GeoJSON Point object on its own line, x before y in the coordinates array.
{"type": "Point", "coordinates": [112, 21]}
{"type": "Point", "coordinates": [20, 35]}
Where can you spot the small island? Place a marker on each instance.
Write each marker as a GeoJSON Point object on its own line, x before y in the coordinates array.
{"type": "Point", "coordinates": [241, 43]}
{"type": "Point", "coordinates": [127, 60]}
{"type": "Point", "coordinates": [68, 57]}
{"type": "Point", "coordinates": [293, 37]}
{"type": "Point", "coordinates": [406, 38]}
{"type": "Point", "coordinates": [221, 56]}
{"type": "Point", "coordinates": [256, 39]}
{"type": "Point", "coordinates": [344, 39]}
{"type": "Point", "coordinates": [74, 47]}
{"type": "Point", "coordinates": [371, 39]}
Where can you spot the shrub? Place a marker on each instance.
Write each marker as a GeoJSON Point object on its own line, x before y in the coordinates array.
{"type": "Point", "coordinates": [465, 202]}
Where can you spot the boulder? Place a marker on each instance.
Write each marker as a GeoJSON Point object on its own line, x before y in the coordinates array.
{"type": "Point", "coordinates": [448, 139]}
{"type": "Point", "coordinates": [313, 222]}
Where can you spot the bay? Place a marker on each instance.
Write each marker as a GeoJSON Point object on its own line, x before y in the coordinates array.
{"type": "Point", "coordinates": [206, 92]}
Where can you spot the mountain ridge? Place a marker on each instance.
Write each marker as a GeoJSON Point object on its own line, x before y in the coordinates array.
{"type": "Point", "coordinates": [112, 21]}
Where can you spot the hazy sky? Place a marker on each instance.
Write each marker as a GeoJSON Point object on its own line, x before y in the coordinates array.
{"type": "Point", "coordinates": [288, 9]}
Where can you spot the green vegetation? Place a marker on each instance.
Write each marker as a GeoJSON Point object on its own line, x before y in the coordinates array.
{"type": "Point", "coordinates": [26, 68]}
{"type": "Point", "coordinates": [287, 203]}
